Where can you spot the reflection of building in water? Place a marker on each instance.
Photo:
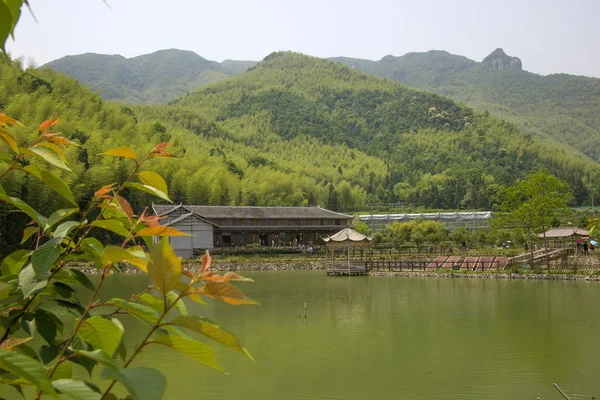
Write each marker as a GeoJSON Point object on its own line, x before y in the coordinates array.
{"type": "Point", "coordinates": [469, 220]}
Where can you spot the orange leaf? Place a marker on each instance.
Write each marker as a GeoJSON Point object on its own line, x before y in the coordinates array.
{"type": "Point", "coordinates": [59, 140]}
{"type": "Point", "coordinates": [104, 189]}
{"type": "Point", "coordinates": [125, 207]}
{"type": "Point", "coordinates": [206, 260]}
{"type": "Point", "coordinates": [5, 120]}
{"type": "Point", "coordinates": [121, 152]}
{"type": "Point", "coordinates": [224, 291]}
{"type": "Point", "coordinates": [161, 231]}
{"type": "Point", "coordinates": [187, 273]}
{"type": "Point", "coordinates": [47, 124]}
{"type": "Point", "coordinates": [159, 151]}
{"type": "Point", "coordinates": [229, 276]}
{"type": "Point", "coordinates": [149, 220]}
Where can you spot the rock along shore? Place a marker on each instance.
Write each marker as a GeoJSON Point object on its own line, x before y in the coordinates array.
{"type": "Point", "coordinates": [319, 265]}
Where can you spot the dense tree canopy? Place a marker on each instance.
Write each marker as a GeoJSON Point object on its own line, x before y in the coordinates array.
{"type": "Point", "coordinates": [294, 130]}
{"type": "Point", "coordinates": [558, 108]}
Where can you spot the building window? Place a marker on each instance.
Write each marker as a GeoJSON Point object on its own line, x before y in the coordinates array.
{"type": "Point", "coordinates": [338, 222]}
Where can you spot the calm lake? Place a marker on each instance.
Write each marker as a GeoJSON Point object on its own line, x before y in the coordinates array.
{"type": "Point", "coordinates": [391, 337]}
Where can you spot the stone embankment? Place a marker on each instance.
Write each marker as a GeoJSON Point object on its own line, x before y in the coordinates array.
{"type": "Point", "coordinates": [222, 267]}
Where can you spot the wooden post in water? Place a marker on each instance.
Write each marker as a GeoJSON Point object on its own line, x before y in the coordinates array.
{"type": "Point", "coordinates": [561, 391]}
{"type": "Point", "coordinates": [304, 309]}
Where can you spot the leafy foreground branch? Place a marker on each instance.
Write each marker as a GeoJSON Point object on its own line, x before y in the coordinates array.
{"type": "Point", "coordinates": [35, 281]}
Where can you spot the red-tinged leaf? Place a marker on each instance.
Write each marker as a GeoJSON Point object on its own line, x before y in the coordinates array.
{"type": "Point", "coordinates": [159, 151]}
{"type": "Point", "coordinates": [229, 276]}
{"type": "Point", "coordinates": [104, 190]}
{"type": "Point", "coordinates": [161, 231]}
{"type": "Point", "coordinates": [149, 220]}
{"type": "Point", "coordinates": [47, 124]}
{"type": "Point", "coordinates": [125, 207]}
{"type": "Point", "coordinates": [187, 273]}
{"type": "Point", "coordinates": [121, 152]}
{"type": "Point", "coordinates": [206, 261]}
{"type": "Point", "coordinates": [59, 140]}
{"type": "Point", "coordinates": [6, 120]}
{"type": "Point", "coordinates": [225, 292]}
{"type": "Point", "coordinates": [13, 342]}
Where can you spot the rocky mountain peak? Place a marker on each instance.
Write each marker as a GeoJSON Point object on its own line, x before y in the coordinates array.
{"type": "Point", "coordinates": [499, 60]}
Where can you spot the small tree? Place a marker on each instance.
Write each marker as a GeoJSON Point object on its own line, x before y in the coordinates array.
{"type": "Point", "coordinates": [535, 202]}
{"type": "Point", "coordinates": [360, 226]}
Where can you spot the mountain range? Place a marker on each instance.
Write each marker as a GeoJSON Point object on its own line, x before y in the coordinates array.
{"type": "Point", "coordinates": [561, 109]}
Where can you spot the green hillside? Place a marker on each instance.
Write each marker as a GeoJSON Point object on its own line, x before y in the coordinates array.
{"type": "Point", "coordinates": [293, 130]}
{"type": "Point", "coordinates": [148, 79]}
{"type": "Point", "coordinates": [558, 108]}
{"type": "Point", "coordinates": [437, 153]}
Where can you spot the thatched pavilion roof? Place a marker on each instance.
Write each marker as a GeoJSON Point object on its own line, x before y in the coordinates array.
{"type": "Point", "coordinates": [347, 237]}
{"type": "Point", "coordinates": [564, 233]}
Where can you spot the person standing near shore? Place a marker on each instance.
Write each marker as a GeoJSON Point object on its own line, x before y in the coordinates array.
{"type": "Point", "coordinates": [585, 248]}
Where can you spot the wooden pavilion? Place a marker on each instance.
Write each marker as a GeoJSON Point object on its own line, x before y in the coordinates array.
{"type": "Point", "coordinates": [346, 238]}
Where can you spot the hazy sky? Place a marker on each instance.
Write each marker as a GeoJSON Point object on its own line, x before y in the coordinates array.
{"type": "Point", "coordinates": [548, 35]}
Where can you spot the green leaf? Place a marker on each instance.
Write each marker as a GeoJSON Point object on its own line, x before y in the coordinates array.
{"type": "Point", "coordinates": [82, 279]}
{"type": "Point", "coordinates": [142, 311]}
{"type": "Point", "coordinates": [93, 248]}
{"type": "Point", "coordinates": [142, 383]}
{"type": "Point", "coordinates": [111, 225]}
{"type": "Point", "coordinates": [27, 232]}
{"type": "Point", "coordinates": [44, 257]}
{"type": "Point", "coordinates": [4, 290]}
{"type": "Point", "coordinates": [180, 305]}
{"type": "Point", "coordinates": [70, 306]}
{"type": "Point", "coordinates": [191, 348]}
{"type": "Point", "coordinates": [101, 333]}
{"type": "Point", "coordinates": [154, 180]}
{"type": "Point", "coordinates": [5, 158]}
{"type": "Point", "coordinates": [113, 254]}
{"type": "Point", "coordinates": [208, 328]}
{"type": "Point", "coordinates": [53, 182]}
{"type": "Point", "coordinates": [58, 216]}
{"type": "Point", "coordinates": [153, 302]}
{"type": "Point", "coordinates": [48, 353]}
{"type": "Point", "coordinates": [121, 152]}
{"type": "Point", "coordinates": [63, 229]}
{"type": "Point", "coordinates": [165, 268]}
{"type": "Point", "coordinates": [97, 355]}
{"type": "Point", "coordinates": [77, 390]}
{"type": "Point", "coordinates": [147, 189]}
{"type": "Point", "coordinates": [63, 289]}
{"type": "Point", "coordinates": [63, 371]}
{"type": "Point", "coordinates": [49, 155]}
{"type": "Point", "coordinates": [26, 368]}
{"type": "Point", "coordinates": [15, 9]}
{"type": "Point", "coordinates": [47, 325]}
{"type": "Point", "coordinates": [29, 283]}
{"type": "Point", "coordinates": [12, 264]}
{"type": "Point", "coordinates": [6, 24]}
{"type": "Point", "coordinates": [24, 207]}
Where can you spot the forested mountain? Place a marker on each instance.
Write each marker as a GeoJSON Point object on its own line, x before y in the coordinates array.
{"type": "Point", "coordinates": [560, 107]}
{"type": "Point", "coordinates": [149, 79]}
{"type": "Point", "coordinates": [293, 130]}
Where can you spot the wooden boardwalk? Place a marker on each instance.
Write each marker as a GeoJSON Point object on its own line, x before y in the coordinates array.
{"type": "Point", "coordinates": [441, 263]}
{"type": "Point", "coordinates": [342, 268]}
